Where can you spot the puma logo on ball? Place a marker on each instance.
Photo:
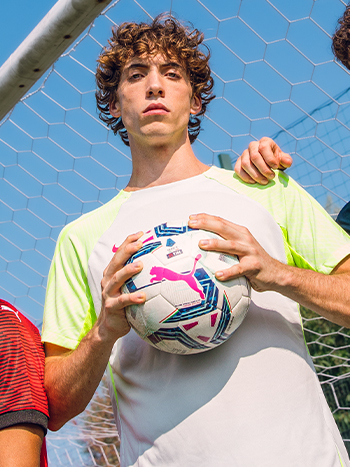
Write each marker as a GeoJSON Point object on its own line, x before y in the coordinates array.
{"type": "Point", "coordinates": [160, 273]}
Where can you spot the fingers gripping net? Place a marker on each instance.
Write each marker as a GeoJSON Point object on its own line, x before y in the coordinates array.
{"type": "Point", "coordinates": [274, 76]}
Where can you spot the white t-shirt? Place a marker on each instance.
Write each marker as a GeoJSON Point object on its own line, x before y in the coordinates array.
{"type": "Point", "coordinates": [254, 401]}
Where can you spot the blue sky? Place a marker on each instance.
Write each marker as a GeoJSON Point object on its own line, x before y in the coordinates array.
{"type": "Point", "coordinates": [18, 18]}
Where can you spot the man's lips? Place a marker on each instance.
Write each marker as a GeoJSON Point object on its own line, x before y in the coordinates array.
{"type": "Point", "coordinates": [156, 109]}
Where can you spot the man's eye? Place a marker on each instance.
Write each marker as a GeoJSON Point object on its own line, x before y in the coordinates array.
{"type": "Point", "coordinates": [173, 74]}
{"type": "Point", "coordinates": [135, 76]}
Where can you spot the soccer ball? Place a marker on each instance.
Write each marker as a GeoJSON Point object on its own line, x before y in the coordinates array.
{"type": "Point", "coordinates": [187, 310]}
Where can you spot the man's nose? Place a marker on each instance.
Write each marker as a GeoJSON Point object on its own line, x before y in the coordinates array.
{"type": "Point", "coordinates": [155, 86]}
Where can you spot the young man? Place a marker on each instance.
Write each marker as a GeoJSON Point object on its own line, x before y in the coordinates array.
{"type": "Point", "coordinates": [23, 402]}
{"type": "Point", "coordinates": [253, 401]}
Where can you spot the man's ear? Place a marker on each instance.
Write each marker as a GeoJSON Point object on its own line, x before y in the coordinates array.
{"type": "Point", "coordinates": [114, 108]}
{"type": "Point", "coordinates": [196, 104]}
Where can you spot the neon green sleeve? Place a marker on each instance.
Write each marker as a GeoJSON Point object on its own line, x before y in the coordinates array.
{"type": "Point", "coordinates": [312, 239]}
{"type": "Point", "coordinates": [68, 304]}
{"type": "Point", "coordinates": [69, 311]}
{"type": "Point", "coordinates": [315, 240]}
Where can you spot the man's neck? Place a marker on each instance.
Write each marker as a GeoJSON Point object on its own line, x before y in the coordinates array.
{"type": "Point", "coordinates": [155, 165]}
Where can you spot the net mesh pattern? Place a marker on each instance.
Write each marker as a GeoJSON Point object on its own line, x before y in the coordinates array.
{"type": "Point", "coordinates": [275, 76]}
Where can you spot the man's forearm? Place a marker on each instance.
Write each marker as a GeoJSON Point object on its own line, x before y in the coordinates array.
{"type": "Point", "coordinates": [327, 295]}
{"type": "Point", "coordinates": [71, 378]}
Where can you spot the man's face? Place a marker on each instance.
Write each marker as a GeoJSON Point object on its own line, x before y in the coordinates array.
{"type": "Point", "coordinates": [154, 99]}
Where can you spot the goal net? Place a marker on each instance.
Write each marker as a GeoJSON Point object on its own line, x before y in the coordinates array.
{"type": "Point", "coordinates": [274, 76]}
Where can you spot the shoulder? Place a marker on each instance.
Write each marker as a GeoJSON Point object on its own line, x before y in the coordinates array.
{"type": "Point", "coordinates": [11, 318]}
{"type": "Point", "coordinates": [280, 196]}
{"type": "Point", "coordinates": [271, 196]}
{"type": "Point", "coordinates": [88, 228]}
{"type": "Point", "coordinates": [228, 177]}
{"type": "Point", "coordinates": [90, 219]}
{"type": "Point", "coordinates": [16, 328]}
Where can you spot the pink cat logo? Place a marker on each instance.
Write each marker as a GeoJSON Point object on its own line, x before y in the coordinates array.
{"type": "Point", "coordinates": [160, 273]}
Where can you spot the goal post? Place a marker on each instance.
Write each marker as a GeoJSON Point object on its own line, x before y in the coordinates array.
{"type": "Point", "coordinates": [66, 20]}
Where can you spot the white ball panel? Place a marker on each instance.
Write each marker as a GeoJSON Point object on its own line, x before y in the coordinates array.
{"type": "Point", "coordinates": [180, 294]}
{"type": "Point", "coordinates": [168, 255]}
{"type": "Point", "coordinates": [217, 261]}
{"type": "Point", "coordinates": [155, 311]}
{"type": "Point", "coordinates": [134, 315]}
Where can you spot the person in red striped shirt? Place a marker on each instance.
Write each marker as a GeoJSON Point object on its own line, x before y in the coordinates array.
{"type": "Point", "coordinates": [23, 403]}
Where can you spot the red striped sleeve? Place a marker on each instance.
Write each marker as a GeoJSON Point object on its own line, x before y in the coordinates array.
{"type": "Point", "coordinates": [22, 363]}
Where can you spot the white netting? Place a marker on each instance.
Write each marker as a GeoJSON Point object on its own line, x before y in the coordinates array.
{"type": "Point", "coordinates": [274, 75]}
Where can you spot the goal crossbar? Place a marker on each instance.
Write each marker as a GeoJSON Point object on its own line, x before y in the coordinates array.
{"type": "Point", "coordinates": [66, 20]}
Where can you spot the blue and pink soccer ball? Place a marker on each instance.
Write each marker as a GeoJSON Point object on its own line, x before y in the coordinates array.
{"type": "Point", "coordinates": [187, 310]}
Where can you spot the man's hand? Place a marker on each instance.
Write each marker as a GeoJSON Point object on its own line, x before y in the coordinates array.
{"type": "Point", "coordinates": [326, 295]}
{"type": "Point", "coordinates": [72, 376]}
{"type": "Point", "coordinates": [112, 320]}
{"type": "Point", "coordinates": [254, 262]}
{"type": "Point", "coordinates": [256, 162]}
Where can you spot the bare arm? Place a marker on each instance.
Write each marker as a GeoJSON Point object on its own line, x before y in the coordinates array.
{"type": "Point", "coordinates": [256, 162]}
{"type": "Point", "coordinates": [327, 295]}
{"type": "Point", "coordinates": [20, 445]}
{"type": "Point", "coordinates": [71, 377]}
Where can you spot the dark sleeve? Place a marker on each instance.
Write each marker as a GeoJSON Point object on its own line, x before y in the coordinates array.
{"type": "Point", "coordinates": [343, 218]}
{"type": "Point", "coordinates": [20, 417]}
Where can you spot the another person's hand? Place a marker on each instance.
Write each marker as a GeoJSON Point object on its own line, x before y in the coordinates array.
{"type": "Point", "coordinates": [256, 162]}
{"type": "Point", "coordinates": [263, 271]}
{"type": "Point", "coordinates": [112, 316]}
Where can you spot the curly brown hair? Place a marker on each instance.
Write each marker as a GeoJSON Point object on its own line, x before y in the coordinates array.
{"type": "Point", "coordinates": [165, 35]}
{"type": "Point", "coordinates": [341, 39]}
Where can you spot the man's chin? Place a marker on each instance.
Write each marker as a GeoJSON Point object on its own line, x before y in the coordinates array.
{"type": "Point", "coordinates": [160, 136]}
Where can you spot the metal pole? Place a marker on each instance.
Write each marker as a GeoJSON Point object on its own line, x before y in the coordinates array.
{"type": "Point", "coordinates": [66, 20]}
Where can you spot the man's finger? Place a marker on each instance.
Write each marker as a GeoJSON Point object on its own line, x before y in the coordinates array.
{"type": "Point", "coordinates": [112, 283]}
{"type": "Point", "coordinates": [243, 174]}
{"type": "Point", "coordinates": [269, 152]}
{"type": "Point", "coordinates": [129, 247]}
{"type": "Point", "coordinates": [286, 161]}
{"type": "Point", "coordinates": [273, 155]}
{"type": "Point", "coordinates": [215, 224]}
{"type": "Point", "coordinates": [253, 163]}
{"type": "Point", "coordinates": [229, 273]}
